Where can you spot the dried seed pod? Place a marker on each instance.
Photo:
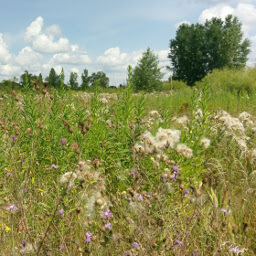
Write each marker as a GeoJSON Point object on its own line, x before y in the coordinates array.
{"type": "Point", "coordinates": [44, 91]}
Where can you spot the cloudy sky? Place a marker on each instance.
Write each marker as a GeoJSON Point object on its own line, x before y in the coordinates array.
{"type": "Point", "coordinates": [106, 35]}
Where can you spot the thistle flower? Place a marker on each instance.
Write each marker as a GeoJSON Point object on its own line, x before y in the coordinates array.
{"type": "Point", "coordinates": [11, 208]}
{"type": "Point", "coordinates": [68, 177]}
{"type": "Point", "coordinates": [54, 166]}
{"type": "Point", "coordinates": [135, 245]}
{"type": "Point", "coordinates": [63, 141]}
{"type": "Point", "coordinates": [108, 225]}
{"type": "Point", "coordinates": [13, 137]}
{"type": "Point", "coordinates": [88, 236]}
{"type": "Point", "coordinates": [184, 150]}
{"type": "Point", "coordinates": [107, 214]}
{"type": "Point", "coordinates": [205, 143]}
{"type": "Point", "coordinates": [61, 212]}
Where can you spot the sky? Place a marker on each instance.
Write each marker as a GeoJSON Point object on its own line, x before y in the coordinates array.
{"type": "Point", "coordinates": [102, 35]}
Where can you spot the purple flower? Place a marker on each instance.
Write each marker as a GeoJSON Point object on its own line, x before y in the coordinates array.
{"type": "Point", "coordinates": [194, 252]}
{"type": "Point", "coordinates": [62, 247]}
{"type": "Point", "coordinates": [178, 242]}
{"type": "Point", "coordinates": [9, 174]}
{"type": "Point", "coordinates": [13, 137]}
{"type": "Point", "coordinates": [135, 245]}
{"type": "Point", "coordinates": [12, 208]}
{"type": "Point", "coordinates": [106, 214]}
{"type": "Point", "coordinates": [186, 192]}
{"type": "Point", "coordinates": [23, 250]}
{"type": "Point", "coordinates": [24, 243]}
{"type": "Point", "coordinates": [63, 141]}
{"type": "Point", "coordinates": [61, 212]}
{"type": "Point", "coordinates": [126, 253]}
{"type": "Point", "coordinates": [108, 225]}
{"type": "Point", "coordinates": [88, 161]}
{"type": "Point", "coordinates": [175, 168]}
{"type": "Point", "coordinates": [54, 166]}
{"type": "Point", "coordinates": [224, 210]}
{"type": "Point", "coordinates": [88, 236]}
{"type": "Point", "coordinates": [235, 250]}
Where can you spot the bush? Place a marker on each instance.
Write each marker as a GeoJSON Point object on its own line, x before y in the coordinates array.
{"type": "Point", "coordinates": [231, 80]}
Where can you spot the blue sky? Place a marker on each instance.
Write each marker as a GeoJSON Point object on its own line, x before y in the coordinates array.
{"type": "Point", "coordinates": [101, 35]}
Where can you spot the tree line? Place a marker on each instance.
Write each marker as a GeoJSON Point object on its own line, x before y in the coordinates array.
{"type": "Point", "coordinates": [196, 51]}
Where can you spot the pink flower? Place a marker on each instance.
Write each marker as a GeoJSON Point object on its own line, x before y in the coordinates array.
{"type": "Point", "coordinates": [106, 214]}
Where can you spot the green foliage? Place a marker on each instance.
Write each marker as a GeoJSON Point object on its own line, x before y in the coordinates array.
{"type": "Point", "coordinates": [73, 81]}
{"type": "Point", "coordinates": [198, 49]}
{"type": "Point", "coordinates": [53, 79]}
{"type": "Point", "coordinates": [231, 80]}
{"type": "Point", "coordinates": [85, 80]}
{"type": "Point", "coordinates": [147, 75]}
{"type": "Point", "coordinates": [101, 78]}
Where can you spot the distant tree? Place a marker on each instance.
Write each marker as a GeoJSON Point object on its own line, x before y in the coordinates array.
{"type": "Point", "coordinates": [73, 81]}
{"type": "Point", "coordinates": [85, 80]}
{"type": "Point", "coordinates": [26, 79]}
{"type": "Point", "coordinates": [198, 49]}
{"type": "Point", "coordinates": [102, 77]}
{"type": "Point", "coordinates": [53, 79]}
{"type": "Point", "coordinates": [147, 74]}
{"type": "Point", "coordinates": [61, 79]}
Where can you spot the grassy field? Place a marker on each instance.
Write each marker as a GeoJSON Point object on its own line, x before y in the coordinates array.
{"type": "Point", "coordinates": [123, 173]}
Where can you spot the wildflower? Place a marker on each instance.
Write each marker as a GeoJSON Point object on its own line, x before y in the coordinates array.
{"type": "Point", "coordinates": [62, 247]}
{"type": "Point", "coordinates": [205, 143]}
{"type": "Point", "coordinates": [9, 174]}
{"type": "Point", "coordinates": [13, 137]}
{"type": "Point", "coordinates": [224, 210]}
{"type": "Point", "coordinates": [184, 150]}
{"type": "Point", "coordinates": [194, 252]}
{"type": "Point", "coordinates": [12, 208]}
{"type": "Point", "coordinates": [108, 225]}
{"type": "Point", "coordinates": [23, 250]}
{"type": "Point", "coordinates": [175, 168]}
{"type": "Point", "coordinates": [61, 212]}
{"type": "Point", "coordinates": [63, 141]}
{"type": "Point", "coordinates": [24, 243]}
{"type": "Point", "coordinates": [54, 166]}
{"type": "Point", "coordinates": [88, 236]}
{"type": "Point", "coordinates": [186, 192]}
{"type": "Point", "coordinates": [135, 245]}
{"type": "Point", "coordinates": [178, 242]}
{"type": "Point", "coordinates": [106, 214]}
{"type": "Point", "coordinates": [68, 177]}
{"type": "Point", "coordinates": [235, 250]}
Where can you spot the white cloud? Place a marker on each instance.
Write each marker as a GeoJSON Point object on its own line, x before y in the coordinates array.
{"type": "Point", "coordinates": [45, 42]}
{"type": "Point", "coordinates": [220, 11]}
{"type": "Point", "coordinates": [10, 70]}
{"type": "Point", "coordinates": [29, 59]}
{"type": "Point", "coordinates": [5, 56]}
{"type": "Point", "coordinates": [182, 22]}
{"type": "Point", "coordinates": [73, 57]}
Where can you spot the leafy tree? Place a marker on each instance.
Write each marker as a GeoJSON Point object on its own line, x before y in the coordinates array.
{"type": "Point", "coordinates": [26, 79]}
{"type": "Point", "coordinates": [101, 77]}
{"type": "Point", "coordinates": [53, 79]}
{"type": "Point", "coordinates": [147, 75]}
{"type": "Point", "coordinates": [85, 80]}
{"type": "Point", "coordinates": [61, 79]}
{"type": "Point", "coordinates": [198, 49]}
{"type": "Point", "coordinates": [73, 81]}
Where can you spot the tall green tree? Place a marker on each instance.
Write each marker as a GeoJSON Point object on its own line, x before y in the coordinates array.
{"type": "Point", "coordinates": [73, 81]}
{"type": "Point", "coordinates": [53, 79]}
{"type": "Point", "coordinates": [85, 80]}
{"type": "Point", "coordinates": [200, 48]}
{"type": "Point", "coordinates": [147, 74]}
{"type": "Point", "coordinates": [101, 77]}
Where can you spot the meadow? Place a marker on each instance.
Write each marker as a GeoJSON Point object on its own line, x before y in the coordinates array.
{"type": "Point", "coordinates": [124, 173]}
